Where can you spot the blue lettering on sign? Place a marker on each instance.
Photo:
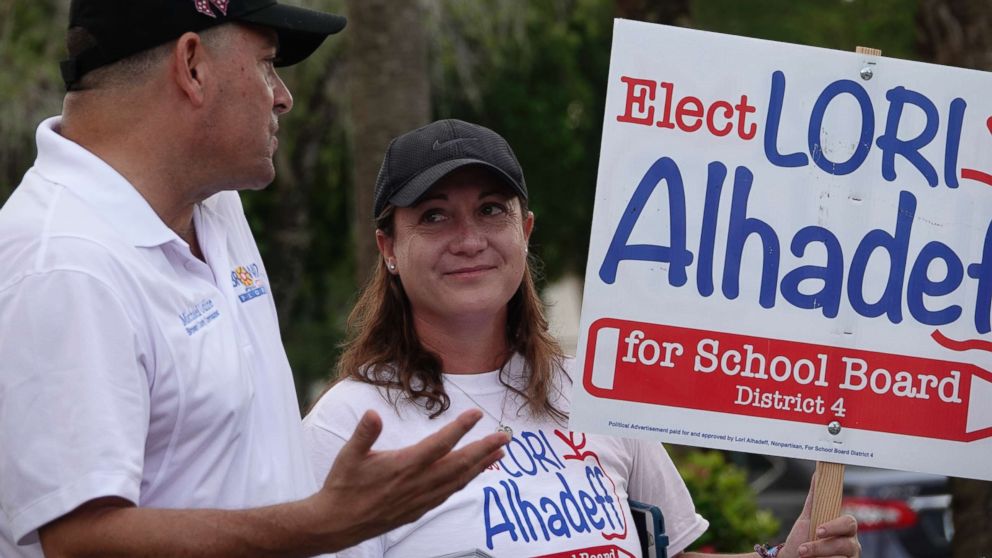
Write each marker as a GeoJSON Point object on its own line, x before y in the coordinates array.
{"type": "Point", "coordinates": [829, 275]}
{"type": "Point", "coordinates": [675, 255]}
{"type": "Point", "coordinates": [895, 245]}
{"type": "Point", "coordinates": [742, 227]}
{"type": "Point", "coordinates": [889, 142]}
{"type": "Point", "coordinates": [982, 271]}
{"type": "Point", "coordinates": [816, 124]}
{"type": "Point", "coordinates": [775, 103]}
{"type": "Point", "coordinates": [909, 285]}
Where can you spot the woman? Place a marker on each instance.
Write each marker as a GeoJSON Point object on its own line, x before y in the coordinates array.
{"type": "Point", "coordinates": [451, 321]}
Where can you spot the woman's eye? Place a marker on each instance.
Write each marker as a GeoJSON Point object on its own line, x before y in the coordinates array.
{"type": "Point", "coordinates": [432, 216]}
{"type": "Point", "coordinates": [493, 209]}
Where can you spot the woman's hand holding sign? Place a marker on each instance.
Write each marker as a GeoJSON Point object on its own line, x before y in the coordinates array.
{"type": "Point", "coordinates": [837, 537]}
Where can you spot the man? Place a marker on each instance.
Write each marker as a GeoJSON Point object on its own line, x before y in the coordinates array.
{"type": "Point", "coordinates": [146, 403]}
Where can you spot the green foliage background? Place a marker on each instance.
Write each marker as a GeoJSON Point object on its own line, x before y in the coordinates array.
{"type": "Point", "coordinates": [722, 495]}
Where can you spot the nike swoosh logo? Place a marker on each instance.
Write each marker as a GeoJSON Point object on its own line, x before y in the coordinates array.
{"type": "Point", "coordinates": [438, 145]}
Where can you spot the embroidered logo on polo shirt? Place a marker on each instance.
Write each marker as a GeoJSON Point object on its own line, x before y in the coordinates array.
{"type": "Point", "coordinates": [249, 280]}
{"type": "Point", "coordinates": [198, 315]}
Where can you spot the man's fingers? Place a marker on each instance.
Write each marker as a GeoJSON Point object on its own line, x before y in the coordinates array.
{"type": "Point", "coordinates": [480, 452]}
{"type": "Point", "coordinates": [439, 444]}
{"type": "Point", "coordinates": [453, 473]}
{"type": "Point", "coordinates": [455, 470]}
{"type": "Point", "coordinates": [465, 464]}
{"type": "Point", "coordinates": [366, 433]}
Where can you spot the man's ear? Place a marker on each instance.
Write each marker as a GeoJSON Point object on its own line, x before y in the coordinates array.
{"type": "Point", "coordinates": [191, 67]}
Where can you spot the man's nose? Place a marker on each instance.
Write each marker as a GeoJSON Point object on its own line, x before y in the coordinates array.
{"type": "Point", "coordinates": [282, 99]}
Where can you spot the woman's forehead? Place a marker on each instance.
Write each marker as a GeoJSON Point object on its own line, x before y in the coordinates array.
{"type": "Point", "coordinates": [477, 179]}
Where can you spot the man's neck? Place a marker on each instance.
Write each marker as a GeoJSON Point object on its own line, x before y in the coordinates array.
{"type": "Point", "coordinates": [132, 145]}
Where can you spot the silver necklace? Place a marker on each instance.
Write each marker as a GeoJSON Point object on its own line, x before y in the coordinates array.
{"type": "Point", "coordinates": [502, 410]}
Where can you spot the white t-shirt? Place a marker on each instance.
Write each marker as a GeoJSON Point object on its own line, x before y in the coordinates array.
{"type": "Point", "coordinates": [554, 493]}
{"type": "Point", "coordinates": [128, 367]}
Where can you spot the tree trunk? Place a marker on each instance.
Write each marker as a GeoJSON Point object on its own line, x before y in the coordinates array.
{"type": "Point", "coordinates": [972, 508]}
{"type": "Point", "coordinates": [389, 90]}
{"type": "Point", "coordinates": [959, 33]}
{"type": "Point", "coordinates": [956, 32]}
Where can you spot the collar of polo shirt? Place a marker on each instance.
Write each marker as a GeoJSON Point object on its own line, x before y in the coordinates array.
{"type": "Point", "coordinates": [106, 191]}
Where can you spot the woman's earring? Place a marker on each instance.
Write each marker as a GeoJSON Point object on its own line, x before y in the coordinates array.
{"type": "Point", "coordinates": [391, 266]}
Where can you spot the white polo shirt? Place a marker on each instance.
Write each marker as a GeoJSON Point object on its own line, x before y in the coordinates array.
{"type": "Point", "coordinates": [127, 366]}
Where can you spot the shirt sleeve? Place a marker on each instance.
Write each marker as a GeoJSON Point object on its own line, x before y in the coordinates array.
{"type": "Point", "coordinates": [655, 480]}
{"type": "Point", "coordinates": [324, 434]}
{"type": "Point", "coordinates": [74, 399]}
{"type": "Point", "coordinates": [322, 447]}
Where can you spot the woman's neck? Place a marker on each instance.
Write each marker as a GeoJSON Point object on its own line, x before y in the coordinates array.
{"type": "Point", "coordinates": [465, 348]}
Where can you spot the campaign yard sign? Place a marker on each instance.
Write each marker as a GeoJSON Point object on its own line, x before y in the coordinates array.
{"type": "Point", "coordinates": [791, 254]}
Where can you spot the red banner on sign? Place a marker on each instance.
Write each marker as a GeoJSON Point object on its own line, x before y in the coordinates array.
{"type": "Point", "coordinates": [787, 380]}
{"type": "Point", "coordinates": [609, 551]}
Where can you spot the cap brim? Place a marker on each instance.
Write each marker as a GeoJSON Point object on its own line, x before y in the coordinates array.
{"type": "Point", "coordinates": [412, 191]}
{"type": "Point", "coordinates": [300, 30]}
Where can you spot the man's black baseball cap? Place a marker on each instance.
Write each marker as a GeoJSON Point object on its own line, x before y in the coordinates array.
{"type": "Point", "coordinates": [121, 28]}
{"type": "Point", "coordinates": [418, 159]}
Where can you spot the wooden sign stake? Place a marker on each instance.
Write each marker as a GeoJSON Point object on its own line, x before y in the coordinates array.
{"type": "Point", "coordinates": [826, 494]}
{"type": "Point", "coordinates": [830, 476]}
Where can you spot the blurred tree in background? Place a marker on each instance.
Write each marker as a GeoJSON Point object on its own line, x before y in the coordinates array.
{"type": "Point", "coordinates": [389, 85]}
{"type": "Point", "coordinates": [30, 84]}
{"type": "Point", "coordinates": [959, 33]}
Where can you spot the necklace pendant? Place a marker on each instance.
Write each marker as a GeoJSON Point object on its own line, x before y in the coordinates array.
{"type": "Point", "coordinates": [505, 429]}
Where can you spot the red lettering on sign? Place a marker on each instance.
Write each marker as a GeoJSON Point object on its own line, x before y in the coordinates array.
{"type": "Point", "coordinates": [639, 92]}
{"type": "Point", "coordinates": [687, 113]}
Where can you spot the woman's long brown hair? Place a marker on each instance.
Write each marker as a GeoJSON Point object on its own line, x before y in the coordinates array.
{"type": "Point", "coordinates": [383, 349]}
